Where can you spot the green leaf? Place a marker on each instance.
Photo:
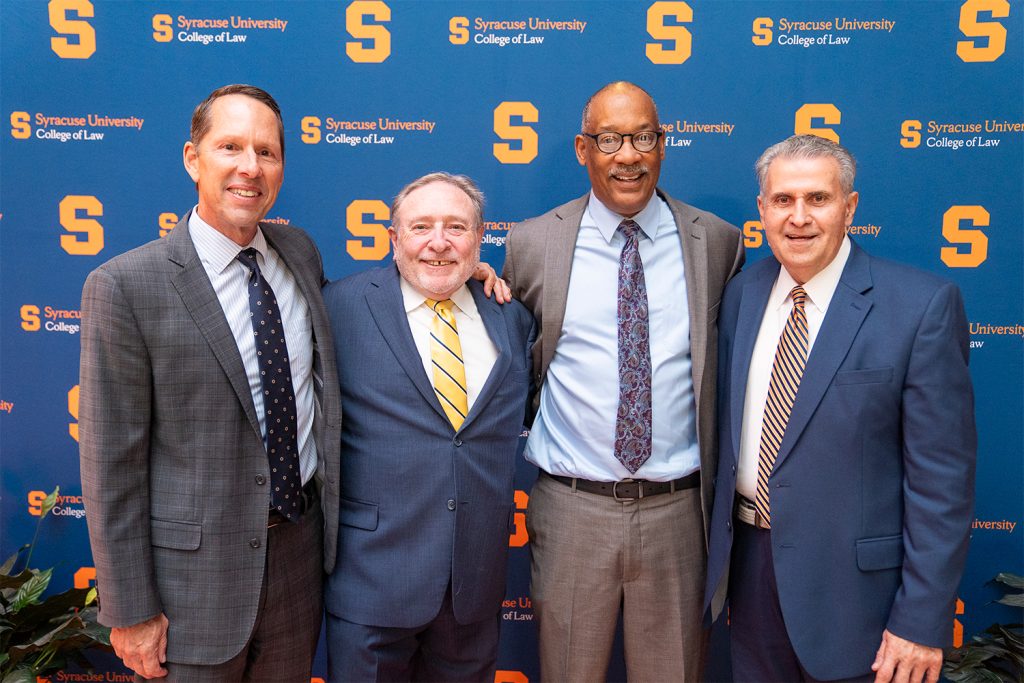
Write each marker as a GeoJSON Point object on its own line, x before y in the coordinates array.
{"type": "Point", "coordinates": [95, 630]}
{"type": "Point", "coordinates": [31, 590]}
{"type": "Point", "coordinates": [20, 676]}
{"type": "Point", "coordinates": [967, 658]}
{"type": "Point", "coordinates": [49, 502]}
{"type": "Point", "coordinates": [1012, 634]}
{"type": "Point", "coordinates": [54, 606]}
{"type": "Point", "coordinates": [1012, 599]}
{"type": "Point", "coordinates": [47, 640]}
{"type": "Point", "coordinates": [1011, 580]}
{"type": "Point", "coordinates": [986, 676]}
{"type": "Point", "coordinates": [9, 564]}
{"type": "Point", "coordinates": [16, 581]}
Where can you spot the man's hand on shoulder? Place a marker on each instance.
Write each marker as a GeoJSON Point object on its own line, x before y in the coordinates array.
{"type": "Point", "coordinates": [143, 647]}
{"type": "Point", "coordinates": [903, 661]}
{"type": "Point", "coordinates": [487, 275]}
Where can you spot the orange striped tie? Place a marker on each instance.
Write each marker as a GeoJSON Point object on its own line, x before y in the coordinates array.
{"type": "Point", "coordinates": [787, 369]}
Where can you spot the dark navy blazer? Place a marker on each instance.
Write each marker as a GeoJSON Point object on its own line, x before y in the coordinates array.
{"type": "Point", "coordinates": [420, 504]}
{"type": "Point", "coordinates": [872, 492]}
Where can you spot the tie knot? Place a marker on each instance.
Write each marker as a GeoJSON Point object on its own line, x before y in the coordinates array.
{"type": "Point", "coordinates": [248, 259]}
{"type": "Point", "coordinates": [440, 307]}
{"type": "Point", "coordinates": [799, 296]}
{"type": "Point", "coordinates": [629, 228]}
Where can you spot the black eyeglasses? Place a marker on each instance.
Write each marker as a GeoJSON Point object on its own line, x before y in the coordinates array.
{"type": "Point", "coordinates": [610, 142]}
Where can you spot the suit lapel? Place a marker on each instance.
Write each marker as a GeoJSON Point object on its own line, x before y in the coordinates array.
{"type": "Point", "coordinates": [753, 301]}
{"type": "Point", "coordinates": [196, 292]}
{"type": "Point", "coordinates": [305, 276]}
{"type": "Point", "coordinates": [497, 330]}
{"type": "Point", "coordinates": [842, 323]}
{"type": "Point", "coordinates": [561, 243]}
{"type": "Point", "coordinates": [695, 266]}
{"type": "Point", "coordinates": [384, 299]}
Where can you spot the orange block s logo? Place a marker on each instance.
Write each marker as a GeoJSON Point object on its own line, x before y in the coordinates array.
{"type": "Point", "coordinates": [519, 537]}
{"type": "Point", "coordinates": [82, 30]}
{"type": "Point", "coordinates": [525, 135]}
{"type": "Point", "coordinates": [809, 113]}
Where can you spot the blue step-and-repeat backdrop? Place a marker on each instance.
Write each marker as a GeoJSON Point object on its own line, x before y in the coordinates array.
{"type": "Point", "coordinates": [97, 96]}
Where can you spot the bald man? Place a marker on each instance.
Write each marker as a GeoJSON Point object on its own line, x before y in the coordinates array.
{"type": "Point", "coordinates": [624, 283]}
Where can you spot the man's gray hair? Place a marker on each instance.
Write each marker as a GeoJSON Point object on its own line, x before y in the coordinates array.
{"type": "Point", "coordinates": [464, 183]}
{"type": "Point", "coordinates": [808, 147]}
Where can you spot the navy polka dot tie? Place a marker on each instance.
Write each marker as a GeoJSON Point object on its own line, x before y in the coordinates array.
{"type": "Point", "coordinates": [278, 396]}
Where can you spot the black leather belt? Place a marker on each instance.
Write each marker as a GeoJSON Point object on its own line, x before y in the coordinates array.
{"type": "Point", "coordinates": [307, 498]}
{"type": "Point", "coordinates": [629, 489]}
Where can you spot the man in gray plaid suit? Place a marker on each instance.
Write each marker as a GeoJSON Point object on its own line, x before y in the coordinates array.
{"type": "Point", "coordinates": [199, 577]}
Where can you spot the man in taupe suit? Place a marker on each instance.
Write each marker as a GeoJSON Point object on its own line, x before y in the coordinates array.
{"type": "Point", "coordinates": [204, 572]}
{"type": "Point", "coordinates": [625, 284]}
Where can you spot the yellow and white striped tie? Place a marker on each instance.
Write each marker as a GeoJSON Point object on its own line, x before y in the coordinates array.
{"type": "Point", "coordinates": [446, 357]}
{"type": "Point", "coordinates": [788, 368]}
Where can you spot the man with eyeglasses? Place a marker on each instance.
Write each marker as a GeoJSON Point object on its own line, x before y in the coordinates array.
{"type": "Point", "coordinates": [624, 283]}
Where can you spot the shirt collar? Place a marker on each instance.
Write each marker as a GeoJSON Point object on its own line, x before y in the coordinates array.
{"type": "Point", "coordinates": [819, 288]}
{"type": "Point", "coordinates": [462, 297]}
{"type": "Point", "coordinates": [215, 249]}
{"type": "Point", "coordinates": [607, 221]}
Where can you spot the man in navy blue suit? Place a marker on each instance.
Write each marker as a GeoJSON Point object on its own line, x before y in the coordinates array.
{"type": "Point", "coordinates": [846, 475]}
{"type": "Point", "coordinates": [434, 379]}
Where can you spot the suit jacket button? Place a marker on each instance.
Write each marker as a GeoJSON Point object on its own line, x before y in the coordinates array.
{"type": "Point", "coordinates": [458, 442]}
{"type": "Point", "coordinates": [451, 504]}
{"type": "Point", "coordinates": [260, 479]}
{"type": "Point", "coordinates": [254, 543]}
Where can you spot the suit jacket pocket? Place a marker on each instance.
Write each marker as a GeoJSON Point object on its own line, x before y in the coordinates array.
{"type": "Point", "coordinates": [175, 535]}
{"type": "Point", "coordinates": [883, 552]}
{"type": "Point", "coordinates": [358, 514]}
{"type": "Point", "coordinates": [865, 376]}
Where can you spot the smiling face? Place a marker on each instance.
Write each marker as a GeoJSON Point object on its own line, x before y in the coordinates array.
{"type": "Point", "coordinates": [238, 166]}
{"type": "Point", "coordinates": [805, 213]}
{"type": "Point", "coordinates": [436, 239]}
{"type": "Point", "coordinates": [625, 180]}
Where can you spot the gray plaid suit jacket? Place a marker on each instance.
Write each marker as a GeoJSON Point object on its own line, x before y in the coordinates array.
{"type": "Point", "coordinates": [538, 261]}
{"type": "Point", "coordinates": [174, 469]}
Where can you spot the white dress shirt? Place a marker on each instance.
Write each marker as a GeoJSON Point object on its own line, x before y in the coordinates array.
{"type": "Point", "coordinates": [573, 434]}
{"type": "Point", "coordinates": [820, 289]}
{"type": "Point", "coordinates": [478, 351]}
{"type": "Point", "coordinates": [230, 278]}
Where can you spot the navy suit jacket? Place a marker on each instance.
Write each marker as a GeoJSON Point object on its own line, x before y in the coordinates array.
{"type": "Point", "coordinates": [421, 505]}
{"type": "Point", "coordinates": [872, 491]}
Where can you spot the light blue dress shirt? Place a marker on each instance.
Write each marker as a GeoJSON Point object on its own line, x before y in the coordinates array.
{"type": "Point", "coordinates": [573, 434]}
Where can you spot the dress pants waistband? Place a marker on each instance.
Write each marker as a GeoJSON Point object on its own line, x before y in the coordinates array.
{"type": "Point", "coordinates": [628, 489]}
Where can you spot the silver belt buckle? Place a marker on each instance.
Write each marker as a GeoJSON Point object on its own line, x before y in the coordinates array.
{"type": "Point", "coordinates": [747, 513]}
{"type": "Point", "coordinates": [639, 489]}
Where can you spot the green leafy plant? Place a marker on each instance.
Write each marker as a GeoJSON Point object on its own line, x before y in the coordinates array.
{"type": "Point", "coordinates": [39, 636]}
{"type": "Point", "coordinates": [997, 655]}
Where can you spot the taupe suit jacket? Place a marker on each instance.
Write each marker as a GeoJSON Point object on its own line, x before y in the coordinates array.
{"type": "Point", "coordinates": [174, 470]}
{"type": "Point", "coordinates": [538, 262]}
